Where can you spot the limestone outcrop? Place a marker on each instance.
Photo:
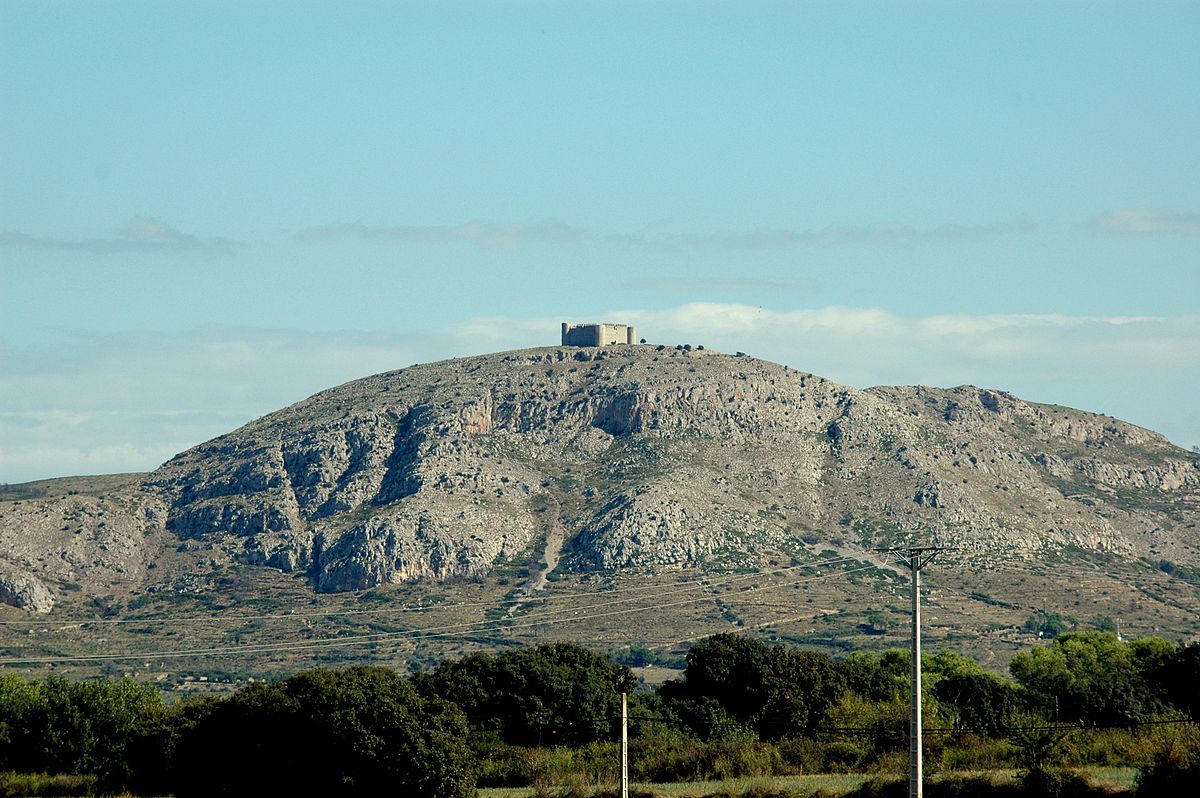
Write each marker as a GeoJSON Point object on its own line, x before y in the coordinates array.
{"type": "Point", "coordinates": [21, 589]}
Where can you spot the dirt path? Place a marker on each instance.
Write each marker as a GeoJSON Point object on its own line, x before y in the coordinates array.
{"type": "Point", "coordinates": [551, 553]}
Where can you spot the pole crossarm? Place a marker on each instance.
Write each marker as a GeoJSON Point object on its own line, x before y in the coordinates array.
{"type": "Point", "coordinates": [921, 555]}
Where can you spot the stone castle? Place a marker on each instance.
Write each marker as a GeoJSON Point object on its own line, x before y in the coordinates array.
{"type": "Point", "coordinates": [598, 334]}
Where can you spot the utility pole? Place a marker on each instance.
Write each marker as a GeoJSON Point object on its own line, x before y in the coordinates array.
{"type": "Point", "coordinates": [916, 558]}
{"type": "Point", "coordinates": [624, 747]}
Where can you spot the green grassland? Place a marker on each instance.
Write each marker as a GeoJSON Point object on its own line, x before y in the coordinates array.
{"type": "Point", "coordinates": [825, 784]}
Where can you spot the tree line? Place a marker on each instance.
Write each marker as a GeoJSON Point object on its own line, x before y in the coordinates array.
{"type": "Point", "coordinates": [740, 707]}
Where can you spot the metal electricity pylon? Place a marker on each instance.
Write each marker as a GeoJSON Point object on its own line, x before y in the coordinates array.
{"type": "Point", "coordinates": [916, 558]}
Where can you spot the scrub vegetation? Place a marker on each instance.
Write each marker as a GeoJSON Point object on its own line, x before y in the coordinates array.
{"type": "Point", "coordinates": [544, 720]}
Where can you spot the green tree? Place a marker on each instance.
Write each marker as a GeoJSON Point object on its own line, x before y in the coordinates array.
{"type": "Point", "coordinates": [1085, 677]}
{"type": "Point", "coordinates": [22, 720]}
{"type": "Point", "coordinates": [561, 694]}
{"type": "Point", "coordinates": [1049, 624]}
{"type": "Point", "coordinates": [94, 725]}
{"type": "Point", "coordinates": [362, 731]}
{"type": "Point", "coordinates": [968, 696]}
{"type": "Point", "coordinates": [1178, 680]}
{"type": "Point", "coordinates": [734, 682]}
{"type": "Point", "coordinates": [866, 675]}
{"type": "Point", "coordinates": [978, 701]}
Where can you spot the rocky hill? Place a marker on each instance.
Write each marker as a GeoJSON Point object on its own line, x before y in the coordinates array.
{"type": "Point", "coordinates": [648, 458]}
{"type": "Point", "coordinates": [619, 496]}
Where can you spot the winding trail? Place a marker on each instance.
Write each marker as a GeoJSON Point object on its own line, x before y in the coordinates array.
{"type": "Point", "coordinates": [551, 553]}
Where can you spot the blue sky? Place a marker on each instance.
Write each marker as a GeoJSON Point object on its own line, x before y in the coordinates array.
{"type": "Point", "coordinates": [209, 210]}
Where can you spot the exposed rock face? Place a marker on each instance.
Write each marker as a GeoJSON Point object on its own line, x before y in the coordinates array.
{"type": "Point", "coordinates": [646, 457]}
{"type": "Point", "coordinates": [83, 542]}
{"type": "Point", "coordinates": [20, 589]}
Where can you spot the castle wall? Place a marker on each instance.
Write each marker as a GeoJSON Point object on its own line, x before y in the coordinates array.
{"type": "Point", "coordinates": [598, 334]}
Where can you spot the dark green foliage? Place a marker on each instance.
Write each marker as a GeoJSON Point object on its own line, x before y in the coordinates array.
{"type": "Point", "coordinates": [1105, 623]}
{"type": "Point", "coordinates": [22, 719]}
{"type": "Point", "coordinates": [1065, 785]}
{"type": "Point", "coordinates": [1049, 624]}
{"type": "Point", "coordinates": [657, 759]}
{"type": "Point", "coordinates": [876, 678]}
{"type": "Point", "coordinates": [635, 656]}
{"type": "Point", "coordinates": [504, 765]}
{"type": "Point", "coordinates": [982, 702]}
{"type": "Point", "coordinates": [1179, 678]}
{"type": "Point", "coordinates": [558, 694]}
{"type": "Point", "coordinates": [1090, 678]}
{"type": "Point", "coordinates": [1174, 768]}
{"type": "Point", "coordinates": [88, 727]}
{"type": "Point", "coordinates": [362, 731]}
{"type": "Point", "coordinates": [548, 716]}
{"type": "Point", "coordinates": [1056, 783]}
{"type": "Point", "coordinates": [735, 683]}
{"type": "Point", "coordinates": [1040, 754]}
{"type": "Point", "coordinates": [500, 764]}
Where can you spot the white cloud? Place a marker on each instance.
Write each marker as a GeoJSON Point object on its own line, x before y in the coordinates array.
{"type": "Point", "coordinates": [494, 235]}
{"type": "Point", "coordinates": [488, 235]}
{"type": "Point", "coordinates": [724, 285]}
{"type": "Point", "coordinates": [141, 234]}
{"type": "Point", "coordinates": [1149, 221]}
{"type": "Point", "coordinates": [127, 402]}
{"type": "Point", "coordinates": [871, 345]}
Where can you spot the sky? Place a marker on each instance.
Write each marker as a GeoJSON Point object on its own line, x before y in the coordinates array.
{"type": "Point", "coordinates": [209, 210]}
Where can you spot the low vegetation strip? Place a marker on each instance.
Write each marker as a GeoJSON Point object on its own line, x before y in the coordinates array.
{"type": "Point", "coordinates": [828, 783]}
{"type": "Point", "coordinates": [745, 717]}
{"type": "Point", "coordinates": [1098, 782]}
{"type": "Point", "coordinates": [18, 785]}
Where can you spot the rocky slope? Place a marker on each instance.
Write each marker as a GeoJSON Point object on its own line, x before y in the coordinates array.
{"type": "Point", "coordinates": [636, 456]}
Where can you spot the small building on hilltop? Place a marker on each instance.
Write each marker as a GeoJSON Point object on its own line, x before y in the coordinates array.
{"type": "Point", "coordinates": [598, 334]}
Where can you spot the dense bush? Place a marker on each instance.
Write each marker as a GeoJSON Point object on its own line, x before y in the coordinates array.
{"type": "Point", "coordinates": [1062, 785]}
{"type": "Point", "coordinates": [978, 701]}
{"type": "Point", "coordinates": [558, 694]}
{"type": "Point", "coordinates": [660, 760]}
{"type": "Point", "coordinates": [734, 684]}
{"type": "Point", "coordinates": [101, 727]}
{"type": "Point", "coordinates": [1174, 766]}
{"type": "Point", "coordinates": [1087, 677]}
{"type": "Point", "coordinates": [362, 731]}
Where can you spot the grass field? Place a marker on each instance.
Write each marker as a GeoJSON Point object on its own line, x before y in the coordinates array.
{"type": "Point", "coordinates": [806, 785]}
{"type": "Point", "coordinates": [801, 785]}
